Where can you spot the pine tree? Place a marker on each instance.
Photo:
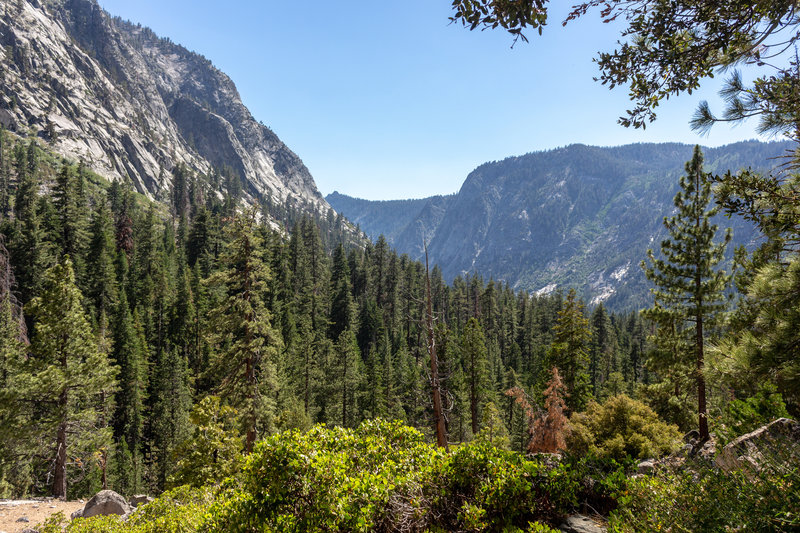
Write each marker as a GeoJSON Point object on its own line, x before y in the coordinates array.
{"type": "Point", "coordinates": [28, 255]}
{"type": "Point", "coordinates": [689, 293]}
{"type": "Point", "coordinates": [169, 417]}
{"type": "Point", "coordinates": [603, 357]}
{"type": "Point", "coordinates": [130, 355]}
{"type": "Point", "coordinates": [348, 369]}
{"type": "Point", "coordinates": [247, 345]}
{"type": "Point", "coordinates": [570, 350]}
{"type": "Point", "coordinates": [14, 444]}
{"type": "Point", "coordinates": [68, 373]}
{"type": "Point", "coordinates": [71, 207]}
{"type": "Point", "coordinates": [102, 282]}
{"type": "Point", "coordinates": [5, 175]}
{"type": "Point", "coordinates": [474, 361]}
{"type": "Point", "coordinates": [342, 305]}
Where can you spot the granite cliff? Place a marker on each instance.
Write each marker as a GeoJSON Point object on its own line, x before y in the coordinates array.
{"type": "Point", "coordinates": [133, 105]}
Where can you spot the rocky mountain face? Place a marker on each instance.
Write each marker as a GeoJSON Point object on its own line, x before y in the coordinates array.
{"type": "Point", "coordinates": [133, 105]}
{"type": "Point", "coordinates": [578, 216]}
{"type": "Point", "coordinates": [393, 218]}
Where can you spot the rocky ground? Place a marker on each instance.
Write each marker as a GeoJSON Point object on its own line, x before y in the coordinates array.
{"type": "Point", "coordinates": [17, 515]}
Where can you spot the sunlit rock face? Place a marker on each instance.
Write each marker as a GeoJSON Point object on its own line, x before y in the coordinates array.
{"type": "Point", "coordinates": [132, 105]}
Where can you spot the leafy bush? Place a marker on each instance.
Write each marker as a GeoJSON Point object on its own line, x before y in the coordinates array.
{"type": "Point", "coordinates": [621, 427]}
{"type": "Point", "coordinates": [711, 500]}
{"type": "Point", "coordinates": [328, 479]}
{"type": "Point", "coordinates": [384, 476]}
{"type": "Point", "coordinates": [182, 510]}
{"type": "Point", "coordinates": [479, 487]}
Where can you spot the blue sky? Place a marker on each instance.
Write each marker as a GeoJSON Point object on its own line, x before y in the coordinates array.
{"type": "Point", "coordinates": [386, 99]}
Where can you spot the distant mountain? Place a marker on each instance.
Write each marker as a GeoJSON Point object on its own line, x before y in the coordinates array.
{"type": "Point", "coordinates": [578, 216]}
{"type": "Point", "coordinates": [133, 105]}
{"type": "Point", "coordinates": [396, 220]}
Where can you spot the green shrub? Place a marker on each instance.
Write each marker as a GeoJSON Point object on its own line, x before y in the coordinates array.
{"type": "Point", "coordinates": [381, 476]}
{"type": "Point", "coordinates": [618, 428]}
{"type": "Point", "coordinates": [327, 479]}
{"type": "Point", "coordinates": [711, 500]}
{"type": "Point", "coordinates": [182, 510]}
{"type": "Point", "coordinates": [384, 476]}
{"type": "Point", "coordinates": [479, 487]}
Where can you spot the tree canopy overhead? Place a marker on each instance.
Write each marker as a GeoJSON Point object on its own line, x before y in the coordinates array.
{"type": "Point", "coordinates": [669, 47]}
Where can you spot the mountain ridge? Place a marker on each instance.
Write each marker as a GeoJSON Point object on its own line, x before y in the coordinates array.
{"type": "Point", "coordinates": [133, 105]}
{"type": "Point", "coordinates": [577, 216]}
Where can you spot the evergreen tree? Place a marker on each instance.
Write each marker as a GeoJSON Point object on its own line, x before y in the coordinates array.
{"type": "Point", "coordinates": [570, 350]}
{"type": "Point", "coordinates": [603, 356]}
{"type": "Point", "coordinates": [689, 293]}
{"type": "Point", "coordinates": [68, 373]}
{"type": "Point", "coordinates": [14, 446]}
{"type": "Point", "coordinates": [101, 278]}
{"type": "Point", "coordinates": [28, 254]}
{"type": "Point", "coordinates": [72, 210]}
{"type": "Point", "coordinates": [169, 417]}
{"type": "Point", "coordinates": [342, 305]}
{"type": "Point", "coordinates": [130, 355]}
{"type": "Point", "coordinates": [348, 369]}
{"type": "Point", "coordinates": [241, 330]}
{"type": "Point", "coordinates": [474, 361]}
{"type": "Point", "coordinates": [5, 175]}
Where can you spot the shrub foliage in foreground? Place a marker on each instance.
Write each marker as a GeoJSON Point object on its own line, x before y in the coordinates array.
{"type": "Point", "coordinates": [384, 476]}
{"type": "Point", "coordinates": [708, 499]}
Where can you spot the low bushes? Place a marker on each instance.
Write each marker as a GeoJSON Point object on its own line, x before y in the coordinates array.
{"type": "Point", "coordinates": [621, 427]}
{"type": "Point", "coordinates": [707, 499]}
{"type": "Point", "coordinates": [384, 476]}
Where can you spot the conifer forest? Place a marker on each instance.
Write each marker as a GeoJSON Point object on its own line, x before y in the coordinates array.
{"type": "Point", "coordinates": [210, 345]}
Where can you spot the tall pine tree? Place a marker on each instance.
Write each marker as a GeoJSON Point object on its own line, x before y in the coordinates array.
{"type": "Point", "coordinates": [690, 287]}
{"type": "Point", "coordinates": [67, 373]}
{"type": "Point", "coordinates": [247, 344]}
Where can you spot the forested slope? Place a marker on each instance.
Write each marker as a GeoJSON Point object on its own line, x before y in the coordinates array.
{"type": "Point", "coordinates": [577, 216]}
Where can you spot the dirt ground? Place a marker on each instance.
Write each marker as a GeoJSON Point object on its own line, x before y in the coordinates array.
{"type": "Point", "coordinates": [35, 511]}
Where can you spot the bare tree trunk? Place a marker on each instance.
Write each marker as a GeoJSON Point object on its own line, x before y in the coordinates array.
{"type": "Point", "coordinates": [104, 468]}
{"type": "Point", "coordinates": [60, 473]}
{"type": "Point", "coordinates": [701, 383]}
{"type": "Point", "coordinates": [438, 416]}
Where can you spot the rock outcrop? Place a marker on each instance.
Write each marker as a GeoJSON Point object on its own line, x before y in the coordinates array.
{"type": "Point", "coordinates": [133, 105]}
{"type": "Point", "coordinates": [140, 499]}
{"type": "Point", "coordinates": [581, 524]}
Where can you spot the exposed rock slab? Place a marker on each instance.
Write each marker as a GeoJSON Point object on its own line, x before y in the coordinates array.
{"type": "Point", "coordinates": [581, 524]}
{"type": "Point", "coordinates": [775, 443]}
{"type": "Point", "coordinates": [140, 499]}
